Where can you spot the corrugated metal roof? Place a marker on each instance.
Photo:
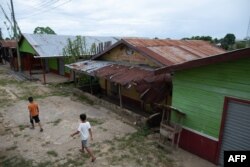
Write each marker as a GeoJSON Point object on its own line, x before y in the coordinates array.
{"type": "Point", "coordinates": [171, 52]}
{"type": "Point", "coordinates": [50, 45]}
{"type": "Point", "coordinates": [224, 57]}
{"type": "Point", "coordinates": [152, 88]}
{"type": "Point", "coordinates": [117, 73]}
{"type": "Point", "coordinates": [123, 75]}
{"type": "Point", "coordinates": [8, 43]}
{"type": "Point", "coordinates": [88, 66]}
{"type": "Point", "coordinates": [167, 52]}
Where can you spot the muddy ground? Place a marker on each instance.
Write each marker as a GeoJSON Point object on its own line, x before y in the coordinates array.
{"type": "Point", "coordinates": [116, 142]}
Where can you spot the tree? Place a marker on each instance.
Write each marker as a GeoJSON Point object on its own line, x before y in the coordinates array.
{"type": "Point", "coordinates": [204, 38]}
{"type": "Point", "coordinates": [228, 41]}
{"type": "Point", "coordinates": [44, 30]}
{"type": "Point", "coordinates": [75, 49]}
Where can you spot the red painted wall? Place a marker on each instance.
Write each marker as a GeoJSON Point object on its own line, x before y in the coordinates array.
{"type": "Point", "coordinates": [199, 145]}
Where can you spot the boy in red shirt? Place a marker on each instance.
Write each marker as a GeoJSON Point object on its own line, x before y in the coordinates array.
{"type": "Point", "coordinates": [34, 113]}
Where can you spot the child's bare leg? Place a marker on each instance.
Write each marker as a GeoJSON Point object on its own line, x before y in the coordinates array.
{"type": "Point", "coordinates": [91, 154]}
{"type": "Point", "coordinates": [41, 129]}
{"type": "Point", "coordinates": [32, 123]}
{"type": "Point", "coordinates": [82, 150]}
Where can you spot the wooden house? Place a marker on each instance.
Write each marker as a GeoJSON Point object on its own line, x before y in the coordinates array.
{"type": "Point", "coordinates": [45, 51]}
{"type": "Point", "coordinates": [214, 93]}
{"type": "Point", "coordinates": [8, 53]}
{"type": "Point", "coordinates": [126, 69]}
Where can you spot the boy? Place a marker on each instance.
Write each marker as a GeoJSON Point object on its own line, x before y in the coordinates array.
{"type": "Point", "coordinates": [34, 113]}
{"type": "Point", "coordinates": [85, 130]}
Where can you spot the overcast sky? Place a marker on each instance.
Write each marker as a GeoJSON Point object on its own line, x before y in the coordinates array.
{"type": "Point", "coordinates": [173, 19]}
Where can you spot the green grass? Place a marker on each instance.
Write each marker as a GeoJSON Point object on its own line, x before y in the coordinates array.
{"type": "Point", "coordinates": [16, 162]}
{"type": "Point", "coordinates": [52, 153]}
{"type": "Point", "coordinates": [2, 157]}
{"type": "Point", "coordinates": [21, 162]}
{"type": "Point", "coordinates": [11, 148]}
{"type": "Point", "coordinates": [94, 121]}
{"type": "Point", "coordinates": [44, 164]}
{"type": "Point", "coordinates": [16, 135]}
{"type": "Point", "coordinates": [7, 129]}
{"type": "Point", "coordinates": [85, 99]}
{"type": "Point", "coordinates": [104, 129]}
{"type": "Point", "coordinates": [136, 149]}
{"type": "Point", "coordinates": [21, 127]}
{"type": "Point", "coordinates": [25, 136]}
{"type": "Point", "coordinates": [56, 122]}
{"type": "Point", "coordinates": [76, 161]}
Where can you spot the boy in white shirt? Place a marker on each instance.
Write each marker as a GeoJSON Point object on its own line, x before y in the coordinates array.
{"type": "Point", "coordinates": [85, 130]}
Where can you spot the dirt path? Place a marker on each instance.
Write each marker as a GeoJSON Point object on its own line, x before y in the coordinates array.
{"type": "Point", "coordinates": [115, 142]}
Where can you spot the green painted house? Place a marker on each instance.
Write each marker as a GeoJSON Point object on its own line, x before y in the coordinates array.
{"type": "Point", "coordinates": [214, 93]}
{"type": "Point", "coordinates": [45, 51]}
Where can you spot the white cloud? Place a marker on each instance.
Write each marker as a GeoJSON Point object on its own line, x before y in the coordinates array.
{"type": "Point", "coordinates": [151, 18]}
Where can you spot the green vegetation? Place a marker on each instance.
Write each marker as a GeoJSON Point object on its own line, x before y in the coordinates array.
{"type": "Point", "coordinates": [44, 164]}
{"type": "Point", "coordinates": [78, 161]}
{"type": "Point", "coordinates": [56, 122]}
{"type": "Point", "coordinates": [43, 30]}
{"type": "Point", "coordinates": [21, 162]}
{"type": "Point", "coordinates": [104, 129]}
{"type": "Point", "coordinates": [135, 148]}
{"type": "Point", "coordinates": [16, 161]}
{"type": "Point", "coordinates": [21, 127]}
{"type": "Point", "coordinates": [52, 153]}
{"type": "Point", "coordinates": [11, 148]}
{"type": "Point", "coordinates": [228, 42]}
{"type": "Point", "coordinates": [94, 121]}
{"type": "Point", "coordinates": [77, 49]}
{"type": "Point", "coordinates": [85, 99]}
{"type": "Point", "coordinates": [16, 135]}
{"type": "Point", "coordinates": [204, 38]}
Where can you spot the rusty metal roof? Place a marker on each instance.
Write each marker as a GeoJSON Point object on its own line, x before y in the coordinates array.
{"type": "Point", "coordinates": [151, 87]}
{"type": "Point", "coordinates": [123, 75]}
{"type": "Point", "coordinates": [8, 43]}
{"type": "Point", "coordinates": [224, 57]}
{"type": "Point", "coordinates": [169, 52]}
{"type": "Point", "coordinates": [117, 73]}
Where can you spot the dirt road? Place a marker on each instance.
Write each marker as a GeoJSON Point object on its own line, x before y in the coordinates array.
{"type": "Point", "coordinates": [115, 142]}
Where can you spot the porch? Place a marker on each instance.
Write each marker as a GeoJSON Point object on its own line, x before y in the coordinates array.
{"type": "Point", "coordinates": [48, 77]}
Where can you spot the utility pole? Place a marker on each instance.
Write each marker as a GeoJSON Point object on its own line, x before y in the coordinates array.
{"type": "Point", "coordinates": [1, 35]}
{"type": "Point", "coordinates": [248, 34]}
{"type": "Point", "coordinates": [15, 35]}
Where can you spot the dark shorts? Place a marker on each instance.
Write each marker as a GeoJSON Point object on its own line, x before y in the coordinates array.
{"type": "Point", "coordinates": [36, 118]}
{"type": "Point", "coordinates": [85, 143]}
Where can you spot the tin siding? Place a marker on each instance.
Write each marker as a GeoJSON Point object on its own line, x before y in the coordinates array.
{"type": "Point", "coordinates": [200, 93]}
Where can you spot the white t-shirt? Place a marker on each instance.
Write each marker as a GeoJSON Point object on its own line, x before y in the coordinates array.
{"type": "Point", "coordinates": [84, 130]}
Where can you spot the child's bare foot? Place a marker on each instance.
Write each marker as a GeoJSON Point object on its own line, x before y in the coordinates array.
{"type": "Point", "coordinates": [93, 159]}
